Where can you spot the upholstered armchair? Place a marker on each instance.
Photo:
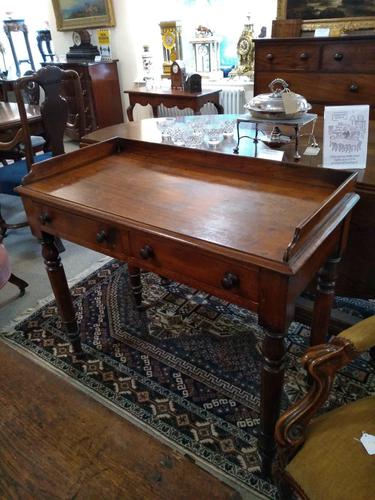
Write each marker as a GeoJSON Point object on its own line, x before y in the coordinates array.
{"type": "Point", "coordinates": [322, 458]}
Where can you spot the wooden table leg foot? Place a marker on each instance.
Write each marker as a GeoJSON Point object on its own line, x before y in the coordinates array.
{"type": "Point", "coordinates": [59, 284]}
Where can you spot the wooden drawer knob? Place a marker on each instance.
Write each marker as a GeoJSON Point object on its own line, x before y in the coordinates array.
{"type": "Point", "coordinates": [230, 280]}
{"type": "Point", "coordinates": [354, 87]}
{"type": "Point", "coordinates": [304, 56]}
{"type": "Point", "coordinates": [338, 56]}
{"type": "Point", "coordinates": [101, 236]}
{"type": "Point", "coordinates": [269, 57]}
{"type": "Point", "coordinates": [45, 218]}
{"type": "Point", "coordinates": [146, 252]}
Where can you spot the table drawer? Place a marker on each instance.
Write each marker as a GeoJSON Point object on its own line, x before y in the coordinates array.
{"type": "Point", "coordinates": [349, 58]}
{"type": "Point", "coordinates": [301, 58]}
{"type": "Point", "coordinates": [158, 254]}
{"type": "Point", "coordinates": [94, 234]}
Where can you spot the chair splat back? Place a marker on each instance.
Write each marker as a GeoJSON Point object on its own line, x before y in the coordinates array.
{"type": "Point", "coordinates": [54, 113]}
{"type": "Point", "coordinates": [54, 109]}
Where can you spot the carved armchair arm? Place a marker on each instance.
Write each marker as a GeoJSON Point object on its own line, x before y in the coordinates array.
{"type": "Point", "coordinates": [321, 362]}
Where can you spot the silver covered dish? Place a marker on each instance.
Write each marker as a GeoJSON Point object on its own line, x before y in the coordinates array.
{"type": "Point", "coordinates": [271, 106]}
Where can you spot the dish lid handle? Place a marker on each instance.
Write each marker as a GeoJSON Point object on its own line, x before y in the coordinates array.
{"type": "Point", "coordinates": [276, 92]}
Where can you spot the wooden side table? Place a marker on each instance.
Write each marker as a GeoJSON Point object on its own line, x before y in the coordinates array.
{"type": "Point", "coordinates": [170, 98]}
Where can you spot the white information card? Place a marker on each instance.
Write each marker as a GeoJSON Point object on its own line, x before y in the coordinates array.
{"type": "Point", "coordinates": [345, 136]}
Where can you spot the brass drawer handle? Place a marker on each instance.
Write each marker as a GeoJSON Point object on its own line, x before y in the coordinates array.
{"type": "Point", "coordinates": [354, 87]}
{"type": "Point", "coordinates": [101, 236]}
{"type": "Point", "coordinates": [304, 56]}
{"type": "Point", "coordinates": [146, 252]}
{"type": "Point", "coordinates": [230, 280]}
{"type": "Point", "coordinates": [269, 57]}
{"type": "Point", "coordinates": [45, 218]}
{"type": "Point", "coordinates": [338, 56]}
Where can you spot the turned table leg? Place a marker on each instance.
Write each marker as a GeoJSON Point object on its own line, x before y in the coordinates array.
{"type": "Point", "coordinates": [273, 351]}
{"type": "Point", "coordinates": [136, 284]}
{"type": "Point", "coordinates": [59, 284]}
{"type": "Point", "coordinates": [323, 301]}
{"type": "Point", "coordinates": [275, 313]}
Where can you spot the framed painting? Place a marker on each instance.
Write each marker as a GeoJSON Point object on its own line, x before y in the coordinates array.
{"type": "Point", "coordinates": [341, 16]}
{"type": "Point", "coordinates": [78, 14]}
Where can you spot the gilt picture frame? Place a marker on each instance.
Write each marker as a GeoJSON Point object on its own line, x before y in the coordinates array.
{"type": "Point", "coordinates": [79, 14]}
{"type": "Point", "coordinates": [352, 18]}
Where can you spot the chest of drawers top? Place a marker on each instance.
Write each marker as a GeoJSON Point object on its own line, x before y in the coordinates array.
{"type": "Point", "coordinates": [330, 54]}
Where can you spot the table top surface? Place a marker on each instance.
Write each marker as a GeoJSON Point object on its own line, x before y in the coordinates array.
{"type": "Point", "coordinates": [220, 201]}
{"type": "Point", "coordinates": [142, 91]}
{"type": "Point", "coordinates": [9, 116]}
{"type": "Point", "coordinates": [147, 130]}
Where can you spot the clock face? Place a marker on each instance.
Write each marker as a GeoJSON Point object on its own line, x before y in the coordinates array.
{"type": "Point", "coordinates": [202, 50]}
{"type": "Point", "coordinates": [244, 46]}
{"type": "Point", "coordinates": [169, 40]}
{"type": "Point", "coordinates": [175, 69]}
{"type": "Point", "coordinates": [77, 38]}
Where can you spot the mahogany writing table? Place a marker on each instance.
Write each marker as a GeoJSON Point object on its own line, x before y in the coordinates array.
{"type": "Point", "coordinates": [357, 270]}
{"type": "Point", "coordinates": [170, 98]}
{"type": "Point", "coordinates": [250, 231]}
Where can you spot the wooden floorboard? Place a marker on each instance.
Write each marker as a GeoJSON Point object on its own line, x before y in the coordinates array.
{"type": "Point", "coordinates": [58, 443]}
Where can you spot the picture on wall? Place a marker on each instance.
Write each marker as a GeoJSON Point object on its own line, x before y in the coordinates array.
{"type": "Point", "coordinates": [329, 9]}
{"type": "Point", "coordinates": [77, 14]}
{"type": "Point", "coordinates": [340, 16]}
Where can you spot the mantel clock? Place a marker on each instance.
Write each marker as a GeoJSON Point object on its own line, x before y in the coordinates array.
{"type": "Point", "coordinates": [178, 75]}
{"type": "Point", "coordinates": [172, 44]}
{"type": "Point", "coordinates": [245, 51]}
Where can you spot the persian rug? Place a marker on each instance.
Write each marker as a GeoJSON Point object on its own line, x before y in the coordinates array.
{"type": "Point", "coordinates": [187, 370]}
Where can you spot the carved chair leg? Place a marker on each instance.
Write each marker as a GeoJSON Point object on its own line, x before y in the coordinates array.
{"type": "Point", "coordinates": [21, 284]}
{"type": "Point", "coordinates": [59, 284]}
{"type": "Point", "coordinates": [4, 226]}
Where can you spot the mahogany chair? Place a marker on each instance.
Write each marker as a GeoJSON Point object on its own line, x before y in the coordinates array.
{"type": "Point", "coordinates": [54, 111]}
{"type": "Point", "coordinates": [322, 458]}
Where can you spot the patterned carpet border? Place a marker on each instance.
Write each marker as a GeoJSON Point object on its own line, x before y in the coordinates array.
{"type": "Point", "coordinates": [184, 379]}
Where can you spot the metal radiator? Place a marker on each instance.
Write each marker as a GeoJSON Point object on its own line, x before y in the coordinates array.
{"type": "Point", "coordinates": [232, 100]}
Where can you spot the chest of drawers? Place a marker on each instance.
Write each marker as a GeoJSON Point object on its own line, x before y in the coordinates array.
{"type": "Point", "coordinates": [327, 71]}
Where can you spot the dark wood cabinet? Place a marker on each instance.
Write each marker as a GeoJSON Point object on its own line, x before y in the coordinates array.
{"type": "Point", "coordinates": [333, 71]}
{"type": "Point", "coordinates": [101, 94]}
{"type": "Point", "coordinates": [327, 71]}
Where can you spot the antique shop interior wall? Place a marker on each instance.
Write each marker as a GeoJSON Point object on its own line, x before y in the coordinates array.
{"type": "Point", "coordinates": [137, 23]}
